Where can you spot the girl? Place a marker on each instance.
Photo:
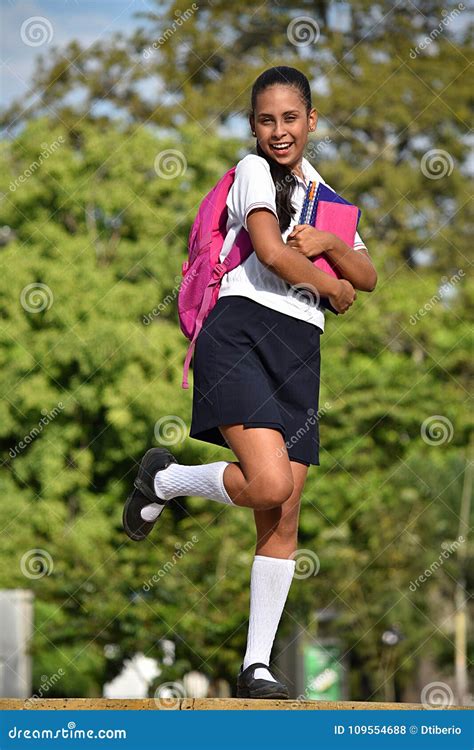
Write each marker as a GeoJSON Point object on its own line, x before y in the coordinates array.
{"type": "Point", "coordinates": [257, 363]}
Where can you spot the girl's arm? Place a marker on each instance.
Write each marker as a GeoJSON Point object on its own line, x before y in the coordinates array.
{"type": "Point", "coordinates": [289, 264]}
{"type": "Point", "coordinates": [353, 265]}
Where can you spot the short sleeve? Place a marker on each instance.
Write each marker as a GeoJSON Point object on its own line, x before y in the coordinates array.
{"type": "Point", "coordinates": [253, 187]}
{"type": "Point", "coordinates": [359, 243]}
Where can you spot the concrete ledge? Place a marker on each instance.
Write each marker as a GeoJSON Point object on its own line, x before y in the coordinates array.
{"type": "Point", "coordinates": [202, 704]}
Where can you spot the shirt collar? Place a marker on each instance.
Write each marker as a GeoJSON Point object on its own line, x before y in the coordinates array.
{"type": "Point", "coordinates": [309, 172]}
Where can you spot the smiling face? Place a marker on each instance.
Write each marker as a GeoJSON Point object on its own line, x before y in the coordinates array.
{"type": "Point", "coordinates": [281, 124]}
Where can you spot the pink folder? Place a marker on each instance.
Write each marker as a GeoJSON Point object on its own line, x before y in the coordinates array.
{"type": "Point", "coordinates": [340, 219]}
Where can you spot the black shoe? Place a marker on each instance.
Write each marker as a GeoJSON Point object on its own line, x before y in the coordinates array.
{"type": "Point", "coordinates": [249, 687]}
{"type": "Point", "coordinates": [144, 493]}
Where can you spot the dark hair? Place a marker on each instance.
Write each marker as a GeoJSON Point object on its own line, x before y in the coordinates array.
{"type": "Point", "coordinates": [283, 178]}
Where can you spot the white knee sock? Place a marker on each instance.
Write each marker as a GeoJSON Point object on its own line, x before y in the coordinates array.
{"type": "Point", "coordinates": [202, 480]}
{"type": "Point", "coordinates": [270, 583]}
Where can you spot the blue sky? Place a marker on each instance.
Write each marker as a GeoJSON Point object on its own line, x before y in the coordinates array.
{"type": "Point", "coordinates": [88, 21]}
{"type": "Point", "coordinates": [84, 20]}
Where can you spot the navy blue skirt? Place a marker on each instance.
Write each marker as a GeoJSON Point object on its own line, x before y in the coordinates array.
{"type": "Point", "coordinates": [261, 368]}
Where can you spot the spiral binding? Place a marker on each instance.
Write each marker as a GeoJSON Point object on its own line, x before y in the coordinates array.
{"type": "Point", "coordinates": [308, 212]}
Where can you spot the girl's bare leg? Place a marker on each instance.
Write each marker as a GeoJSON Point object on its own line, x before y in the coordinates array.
{"type": "Point", "coordinates": [262, 478]}
{"type": "Point", "coordinates": [263, 475]}
{"type": "Point", "coordinates": [272, 573]}
{"type": "Point", "coordinates": [277, 528]}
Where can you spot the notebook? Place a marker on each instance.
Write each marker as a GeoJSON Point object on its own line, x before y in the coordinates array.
{"type": "Point", "coordinates": [326, 210]}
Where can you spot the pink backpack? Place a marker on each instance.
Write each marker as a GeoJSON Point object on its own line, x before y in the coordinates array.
{"type": "Point", "coordinates": [202, 272]}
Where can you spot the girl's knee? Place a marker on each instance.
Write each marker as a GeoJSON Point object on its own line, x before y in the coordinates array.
{"type": "Point", "coordinates": [271, 490]}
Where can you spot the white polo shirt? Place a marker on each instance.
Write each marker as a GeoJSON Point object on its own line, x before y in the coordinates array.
{"type": "Point", "coordinates": [253, 186]}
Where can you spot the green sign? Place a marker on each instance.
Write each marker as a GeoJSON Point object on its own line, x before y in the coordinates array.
{"type": "Point", "coordinates": [322, 672]}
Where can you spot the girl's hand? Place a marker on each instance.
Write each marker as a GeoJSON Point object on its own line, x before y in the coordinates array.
{"type": "Point", "coordinates": [308, 240]}
{"type": "Point", "coordinates": [344, 296]}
